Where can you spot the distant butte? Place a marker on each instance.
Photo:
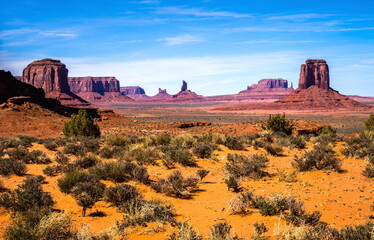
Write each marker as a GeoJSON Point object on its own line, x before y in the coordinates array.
{"type": "Point", "coordinates": [269, 86]}
{"type": "Point", "coordinates": [134, 92]}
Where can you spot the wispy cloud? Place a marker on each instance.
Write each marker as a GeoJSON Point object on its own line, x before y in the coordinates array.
{"type": "Point", "coordinates": [274, 41]}
{"type": "Point", "coordinates": [147, 2]}
{"type": "Point", "coordinates": [346, 29]}
{"type": "Point", "coordinates": [300, 17]}
{"type": "Point", "coordinates": [132, 41]}
{"type": "Point", "coordinates": [181, 39]}
{"type": "Point", "coordinates": [198, 12]}
{"type": "Point", "coordinates": [47, 33]}
{"type": "Point", "coordinates": [298, 28]}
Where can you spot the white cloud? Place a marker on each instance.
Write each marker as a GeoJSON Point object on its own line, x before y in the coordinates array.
{"type": "Point", "coordinates": [300, 17]}
{"type": "Point", "coordinates": [181, 39]}
{"type": "Point", "coordinates": [47, 33]}
{"type": "Point", "coordinates": [199, 12]}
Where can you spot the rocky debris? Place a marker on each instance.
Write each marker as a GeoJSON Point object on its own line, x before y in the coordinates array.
{"type": "Point", "coordinates": [184, 86]}
{"type": "Point", "coordinates": [265, 86]}
{"type": "Point", "coordinates": [193, 124]}
{"type": "Point", "coordinates": [100, 85]}
{"type": "Point", "coordinates": [52, 76]}
{"type": "Point", "coordinates": [315, 72]}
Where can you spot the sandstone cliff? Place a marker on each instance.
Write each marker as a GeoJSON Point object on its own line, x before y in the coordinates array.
{"type": "Point", "coordinates": [162, 94]}
{"type": "Point", "coordinates": [52, 76]}
{"type": "Point", "coordinates": [100, 85]}
{"type": "Point", "coordinates": [315, 72]}
{"type": "Point", "coordinates": [134, 92]}
{"type": "Point", "coordinates": [265, 86]}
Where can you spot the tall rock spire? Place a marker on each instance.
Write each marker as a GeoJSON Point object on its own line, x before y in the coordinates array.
{"type": "Point", "coordinates": [315, 72]}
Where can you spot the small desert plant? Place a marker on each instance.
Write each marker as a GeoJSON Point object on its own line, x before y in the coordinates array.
{"type": "Point", "coordinates": [110, 152]}
{"type": "Point", "coordinates": [233, 143]}
{"type": "Point", "coordinates": [369, 168]}
{"type": "Point", "coordinates": [183, 141]}
{"type": "Point", "coordinates": [60, 158]}
{"type": "Point", "coordinates": [175, 185]}
{"type": "Point", "coordinates": [202, 173]}
{"type": "Point", "coordinates": [74, 149]}
{"type": "Point", "coordinates": [360, 146]}
{"type": "Point", "coordinates": [179, 155]}
{"type": "Point", "coordinates": [87, 161]}
{"type": "Point", "coordinates": [246, 166]}
{"type": "Point", "coordinates": [118, 141]}
{"type": "Point", "coordinates": [10, 166]}
{"type": "Point", "coordinates": [142, 155]}
{"type": "Point", "coordinates": [28, 195]}
{"type": "Point", "coordinates": [273, 149]}
{"type": "Point", "coordinates": [278, 124]}
{"type": "Point", "coordinates": [221, 231]}
{"type": "Point", "coordinates": [81, 124]}
{"type": "Point", "coordinates": [87, 194]}
{"type": "Point", "coordinates": [120, 172]}
{"type": "Point", "coordinates": [67, 182]}
{"type": "Point", "coordinates": [260, 229]}
{"type": "Point", "coordinates": [26, 141]}
{"type": "Point", "coordinates": [140, 212]}
{"type": "Point", "coordinates": [298, 142]}
{"type": "Point", "coordinates": [203, 150]}
{"type": "Point", "coordinates": [369, 124]}
{"type": "Point", "coordinates": [232, 183]}
{"type": "Point", "coordinates": [90, 144]}
{"type": "Point", "coordinates": [319, 158]}
{"type": "Point", "coordinates": [184, 231]}
{"type": "Point", "coordinates": [240, 203]}
{"type": "Point", "coordinates": [120, 194]}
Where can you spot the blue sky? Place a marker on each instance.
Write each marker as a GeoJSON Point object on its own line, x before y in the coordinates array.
{"type": "Point", "coordinates": [218, 47]}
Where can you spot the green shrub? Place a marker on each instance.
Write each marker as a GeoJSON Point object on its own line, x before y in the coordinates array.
{"type": "Point", "coordinates": [140, 212]}
{"type": "Point", "coordinates": [369, 124]}
{"type": "Point", "coordinates": [179, 155]}
{"type": "Point", "coordinates": [67, 182]}
{"type": "Point", "coordinates": [298, 142]}
{"type": "Point", "coordinates": [369, 168]}
{"type": "Point", "coordinates": [183, 141]}
{"type": "Point", "coordinates": [87, 194]}
{"type": "Point", "coordinates": [175, 185]}
{"type": "Point", "coordinates": [278, 124]}
{"type": "Point", "coordinates": [27, 196]}
{"type": "Point", "coordinates": [360, 146]}
{"type": "Point", "coordinates": [246, 166]}
{"type": "Point", "coordinates": [142, 155]}
{"type": "Point", "coordinates": [184, 231]}
{"type": "Point", "coordinates": [81, 124]}
{"type": "Point", "coordinates": [10, 166]}
{"type": "Point", "coordinates": [74, 149]}
{"type": "Point", "coordinates": [233, 143]}
{"type": "Point", "coordinates": [118, 141]}
{"type": "Point", "coordinates": [87, 161]}
{"type": "Point", "coordinates": [221, 231]}
{"type": "Point", "coordinates": [273, 149]}
{"type": "Point", "coordinates": [120, 172]}
{"type": "Point", "coordinates": [120, 194]}
{"type": "Point", "coordinates": [260, 228]}
{"type": "Point", "coordinates": [232, 183]}
{"type": "Point", "coordinates": [203, 150]}
{"type": "Point", "coordinates": [319, 158]}
{"type": "Point", "coordinates": [60, 158]}
{"type": "Point", "coordinates": [202, 173]}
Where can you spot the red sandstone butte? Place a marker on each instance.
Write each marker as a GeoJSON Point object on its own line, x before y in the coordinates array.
{"type": "Point", "coordinates": [315, 72]}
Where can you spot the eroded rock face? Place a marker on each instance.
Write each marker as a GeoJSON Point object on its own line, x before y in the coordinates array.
{"type": "Point", "coordinates": [132, 90]}
{"type": "Point", "coordinates": [269, 86]}
{"type": "Point", "coordinates": [162, 90]}
{"type": "Point", "coordinates": [99, 85]}
{"type": "Point", "coordinates": [49, 74]}
{"type": "Point", "coordinates": [184, 86]}
{"type": "Point", "coordinates": [315, 72]}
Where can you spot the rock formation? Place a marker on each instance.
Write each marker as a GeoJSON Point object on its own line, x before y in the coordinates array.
{"type": "Point", "coordinates": [97, 90]}
{"type": "Point", "coordinates": [269, 86]}
{"type": "Point", "coordinates": [315, 72]}
{"type": "Point", "coordinates": [184, 86]}
{"type": "Point", "coordinates": [16, 93]}
{"type": "Point", "coordinates": [52, 76]}
{"type": "Point", "coordinates": [100, 85]}
{"type": "Point", "coordinates": [49, 74]}
{"type": "Point", "coordinates": [186, 94]}
{"type": "Point", "coordinates": [162, 94]}
{"type": "Point", "coordinates": [134, 92]}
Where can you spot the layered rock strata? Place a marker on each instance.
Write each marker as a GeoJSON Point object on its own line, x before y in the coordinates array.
{"type": "Point", "coordinates": [315, 72]}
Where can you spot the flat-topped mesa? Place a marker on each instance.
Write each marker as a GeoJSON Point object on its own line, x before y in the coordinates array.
{"type": "Point", "coordinates": [132, 90]}
{"type": "Point", "coordinates": [49, 74]}
{"type": "Point", "coordinates": [269, 88]}
{"type": "Point", "coordinates": [99, 85]}
{"type": "Point", "coordinates": [315, 72]}
{"type": "Point", "coordinates": [269, 83]}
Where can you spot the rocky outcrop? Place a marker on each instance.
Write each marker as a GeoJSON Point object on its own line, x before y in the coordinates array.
{"type": "Point", "coordinates": [48, 74]}
{"type": "Point", "coordinates": [52, 76]}
{"type": "Point", "coordinates": [15, 93]}
{"type": "Point", "coordinates": [162, 94]}
{"type": "Point", "coordinates": [97, 90]}
{"type": "Point", "coordinates": [100, 85]}
{"type": "Point", "coordinates": [184, 86]}
{"type": "Point", "coordinates": [132, 90]}
{"type": "Point", "coordinates": [265, 86]}
{"type": "Point", "coordinates": [315, 72]}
